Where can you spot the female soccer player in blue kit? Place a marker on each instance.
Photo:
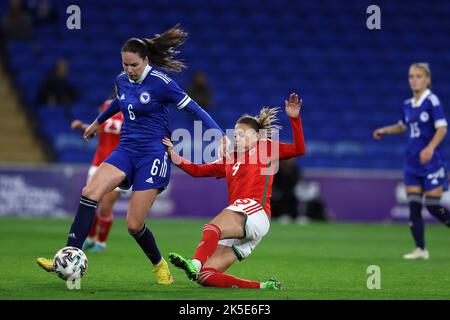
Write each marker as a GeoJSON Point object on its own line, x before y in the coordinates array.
{"type": "Point", "coordinates": [141, 160]}
{"type": "Point", "coordinates": [424, 168]}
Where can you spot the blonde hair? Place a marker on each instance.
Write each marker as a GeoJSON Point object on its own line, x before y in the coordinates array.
{"type": "Point", "coordinates": [425, 66]}
{"type": "Point", "coordinates": [264, 122]}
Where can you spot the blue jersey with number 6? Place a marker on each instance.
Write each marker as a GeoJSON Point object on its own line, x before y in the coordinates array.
{"type": "Point", "coordinates": [145, 108]}
{"type": "Point", "coordinates": [144, 104]}
{"type": "Point", "coordinates": [422, 118]}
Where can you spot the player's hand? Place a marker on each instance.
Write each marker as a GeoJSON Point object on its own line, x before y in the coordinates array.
{"type": "Point", "coordinates": [224, 147]}
{"type": "Point", "coordinates": [176, 159]}
{"type": "Point", "coordinates": [166, 141]}
{"type": "Point", "coordinates": [378, 133]}
{"type": "Point", "coordinates": [91, 130]}
{"type": "Point", "coordinates": [76, 124]}
{"type": "Point", "coordinates": [426, 155]}
{"type": "Point", "coordinates": [293, 105]}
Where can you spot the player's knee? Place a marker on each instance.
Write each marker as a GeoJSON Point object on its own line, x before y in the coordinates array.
{"type": "Point", "coordinates": [134, 226]}
{"type": "Point", "coordinates": [106, 207]}
{"type": "Point", "coordinates": [211, 230]}
{"type": "Point", "coordinates": [90, 193]}
{"type": "Point", "coordinates": [105, 213]}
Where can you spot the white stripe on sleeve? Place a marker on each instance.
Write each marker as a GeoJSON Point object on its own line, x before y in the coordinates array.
{"type": "Point", "coordinates": [183, 103]}
{"type": "Point", "coordinates": [440, 123]}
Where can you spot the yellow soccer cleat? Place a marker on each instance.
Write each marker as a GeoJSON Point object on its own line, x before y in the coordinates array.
{"type": "Point", "coordinates": [46, 264]}
{"type": "Point", "coordinates": [163, 275]}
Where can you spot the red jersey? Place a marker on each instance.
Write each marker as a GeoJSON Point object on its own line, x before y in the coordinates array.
{"type": "Point", "coordinates": [109, 136]}
{"type": "Point", "coordinates": [250, 175]}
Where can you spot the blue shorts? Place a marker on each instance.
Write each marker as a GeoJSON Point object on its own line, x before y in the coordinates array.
{"type": "Point", "coordinates": [429, 181]}
{"type": "Point", "coordinates": [143, 172]}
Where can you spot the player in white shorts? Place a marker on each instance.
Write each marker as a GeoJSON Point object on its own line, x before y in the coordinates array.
{"type": "Point", "coordinates": [236, 231]}
{"type": "Point", "coordinates": [256, 226]}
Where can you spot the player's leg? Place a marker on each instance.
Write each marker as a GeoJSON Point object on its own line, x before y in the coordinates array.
{"type": "Point", "coordinates": [414, 193]}
{"type": "Point", "coordinates": [140, 203]}
{"type": "Point", "coordinates": [232, 223]}
{"type": "Point", "coordinates": [105, 219]}
{"type": "Point", "coordinates": [92, 236]}
{"type": "Point", "coordinates": [105, 179]}
{"type": "Point", "coordinates": [211, 275]}
{"type": "Point", "coordinates": [434, 206]}
{"type": "Point", "coordinates": [227, 224]}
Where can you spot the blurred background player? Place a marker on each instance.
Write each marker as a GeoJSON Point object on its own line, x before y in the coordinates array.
{"type": "Point", "coordinates": [235, 232]}
{"type": "Point", "coordinates": [424, 168]}
{"type": "Point", "coordinates": [143, 95]}
{"type": "Point", "coordinates": [284, 201]}
{"type": "Point", "coordinates": [57, 89]}
{"type": "Point", "coordinates": [108, 140]}
{"type": "Point", "coordinates": [200, 89]}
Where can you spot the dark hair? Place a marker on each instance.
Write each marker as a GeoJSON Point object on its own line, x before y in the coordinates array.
{"type": "Point", "coordinates": [265, 121]}
{"type": "Point", "coordinates": [159, 49]}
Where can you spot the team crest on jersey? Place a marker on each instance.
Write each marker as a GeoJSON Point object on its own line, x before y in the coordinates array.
{"type": "Point", "coordinates": [145, 97]}
{"type": "Point", "coordinates": [252, 151]}
{"type": "Point", "coordinates": [424, 116]}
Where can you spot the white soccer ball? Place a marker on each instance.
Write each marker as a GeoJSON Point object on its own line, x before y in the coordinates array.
{"type": "Point", "coordinates": [70, 263]}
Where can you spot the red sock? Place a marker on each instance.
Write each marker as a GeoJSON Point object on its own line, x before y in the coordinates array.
{"type": "Point", "coordinates": [208, 245]}
{"type": "Point", "coordinates": [93, 231]}
{"type": "Point", "coordinates": [209, 277]}
{"type": "Point", "coordinates": [105, 221]}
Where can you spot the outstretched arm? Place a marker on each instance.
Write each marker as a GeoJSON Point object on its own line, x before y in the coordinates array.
{"type": "Point", "coordinates": [213, 169]}
{"type": "Point", "coordinates": [113, 108]}
{"type": "Point", "coordinates": [200, 114]}
{"type": "Point", "coordinates": [79, 125]}
{"type": "Point", "coordinates": [297, 148]}
{"type": "Point", "coordinates": [93, 128]}
{"type": "Point", "coordinates": [397, 128]}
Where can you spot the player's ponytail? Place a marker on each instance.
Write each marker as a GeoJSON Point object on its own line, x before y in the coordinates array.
{"type": "Point", "coordinates": [264, 122]}
{"type": "Point", "coordinates": [160, 49]}
{"type": "Point", "coordinates": [267, 120]}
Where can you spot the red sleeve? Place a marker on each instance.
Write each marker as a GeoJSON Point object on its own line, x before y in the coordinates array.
{"type": "Point", "coordinates": [295, 149]}
{"type": "Point", "coordinates": [213, 169]}
{"type": "Point", "coordinates": [105, 105]}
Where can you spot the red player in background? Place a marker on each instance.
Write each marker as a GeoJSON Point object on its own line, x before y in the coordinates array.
{"type": "Point", "coordinates": [108, 140]}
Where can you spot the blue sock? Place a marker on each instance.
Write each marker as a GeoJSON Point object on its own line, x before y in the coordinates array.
{"type": "Point", "coordinates": [434, 206]}
{"type": "Point", "coordinates": [147, 242]}
{"type": "Point", "coordinates": [415, 217]}
{"type": "Point", "coordinates": [82, 223]}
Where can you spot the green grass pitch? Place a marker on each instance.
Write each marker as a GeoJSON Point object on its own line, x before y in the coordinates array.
{"type": "Point", "coordinates": [316, 261]}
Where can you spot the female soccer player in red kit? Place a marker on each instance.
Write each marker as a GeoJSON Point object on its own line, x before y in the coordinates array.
{"type": "Point", "coordinates": [235, 232]}
{"type": "Point", "coordinates": [108, 140]}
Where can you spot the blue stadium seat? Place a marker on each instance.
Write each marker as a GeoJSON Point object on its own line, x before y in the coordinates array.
{"type": "Point", "coordinates": [255, 54]}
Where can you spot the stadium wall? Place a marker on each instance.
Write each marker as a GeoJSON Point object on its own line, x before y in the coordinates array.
{"type": "Point", "coordinates": [349, 195]}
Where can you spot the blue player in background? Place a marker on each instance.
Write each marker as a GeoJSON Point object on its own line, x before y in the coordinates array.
{"type": "Point", "coordinates": [141, 160]}
{"type": "Point", "coordinates": [424, 168]}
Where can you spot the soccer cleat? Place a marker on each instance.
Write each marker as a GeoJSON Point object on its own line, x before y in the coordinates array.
{"type": "Point", "coordinates": [418, 253]}
{"type": "Point", "coordinates": [163, 275]}
{"type": "Point", "coordinates": [88, 244]}
{"type": "Point", "coordinates": [46, 264]}
{"type": "Point", "coordinates": [98, 247]}
{"type": "Point", "coordinates": [272, 284]}
{"type": "Point", "coordinates": [189, 268]}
